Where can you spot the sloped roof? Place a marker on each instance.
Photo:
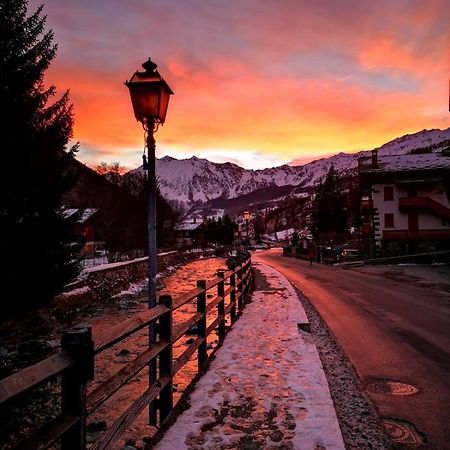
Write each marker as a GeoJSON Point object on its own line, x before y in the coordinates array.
{"type": "Point", "coordinates": [85, 214]}
{"type": "Point", "coordinates": [188, 226]}
{"type": "Point", "coordinates": [403, 163]}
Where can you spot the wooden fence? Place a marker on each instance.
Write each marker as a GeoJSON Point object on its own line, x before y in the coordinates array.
{"type": "Point", "coordinates": [75, 362]}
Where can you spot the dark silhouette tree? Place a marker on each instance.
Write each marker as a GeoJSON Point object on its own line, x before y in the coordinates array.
{"type": "Point", "coordinates": [329, 214]}
{"type": "Point", "coordinates": [123, 212]}
{"type": "Point", "coordinates": [111, 171]}
{"type": "Point", "coordinates": [295, 238]}
{"type": "Point", "coordinates": [36, 245]}
{"type": "Point", "coordinates": [220, 231]}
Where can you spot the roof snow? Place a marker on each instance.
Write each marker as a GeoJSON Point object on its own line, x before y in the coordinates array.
{"type": "Point", "coordinates": [187, 226]}
{"type": "Point", "coordinates": [403, 163]}
{"type": "Point", "coordinates": [282, 235]}
{"type": "Point", "coordinates": [85, 214]}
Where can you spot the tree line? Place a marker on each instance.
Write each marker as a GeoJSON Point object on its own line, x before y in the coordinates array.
{"type": "Point", "coordinates": [39, 173]}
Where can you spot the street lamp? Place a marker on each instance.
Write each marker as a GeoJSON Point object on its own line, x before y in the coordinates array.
{"type": "Point", "coordinates": [150, 97]}
{"type": "Point", "coordinates": [246, 216]}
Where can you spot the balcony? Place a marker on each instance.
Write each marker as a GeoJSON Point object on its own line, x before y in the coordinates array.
{"type": "Point", "coordinates": [426, 204]}
{"type": "Point", "coordinates": [366, 230]}
{"type": "Point", "coordinates": [419, 235]}
{"type": "Point", "coordinates": [367, 204]}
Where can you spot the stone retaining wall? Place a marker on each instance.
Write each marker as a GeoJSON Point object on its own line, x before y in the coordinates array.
{"type": "Point", "coordinates": [106, 280]}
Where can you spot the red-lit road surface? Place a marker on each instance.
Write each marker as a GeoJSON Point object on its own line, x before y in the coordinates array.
{"type": "Point", "coordinates": [390, 329]}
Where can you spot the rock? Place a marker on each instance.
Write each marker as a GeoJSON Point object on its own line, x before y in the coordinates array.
{"type": "Point", "coordinates": [96, 426]}
{"type": "Point", "coordinates": [91, 437]}
{"type": "Point", "coordinates": [122, 304]}
{"type": "Point", "coordinates": [123, 352]}
{"type": "Point", "coordinates": [53, 343]}
{"type": "Point", "coordinates": [193, 330]}
{"type": "Point", "coordinates": [276, 436]}
{"type": "Point", "coordinates": [140, 444]}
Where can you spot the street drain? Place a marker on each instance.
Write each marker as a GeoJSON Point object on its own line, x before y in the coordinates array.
{"type": "Point", "coordinates": [402, 432]}
{"type": "Point", "coordinates": [394, 388]}
{"type": "Point", "coordinates": [304, 326]}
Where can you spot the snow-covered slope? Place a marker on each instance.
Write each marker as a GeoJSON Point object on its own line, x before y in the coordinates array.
{"type": "Point", "coordinates": [196, 180]}
{"type": "Point", "coordinates": [405, 144]}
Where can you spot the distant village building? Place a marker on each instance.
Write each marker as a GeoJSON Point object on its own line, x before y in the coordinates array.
{"type": "Point", "coordinates": [405, 202]}
{"type": "Point", "coordinates": [281, 237]}
{"type": "Point", "coordinates": [190, 234]}
{"type": "Point", "coordinates": [85, 228]}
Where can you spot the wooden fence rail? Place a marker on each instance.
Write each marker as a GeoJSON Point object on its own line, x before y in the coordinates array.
{"type": "Point", "coordinates": [75, 362]}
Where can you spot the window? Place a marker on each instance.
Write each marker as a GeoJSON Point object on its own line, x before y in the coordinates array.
{"type": "Point", "coordinates": [388, 193]}
{"type": "Point", "coordinates": [389, 220]}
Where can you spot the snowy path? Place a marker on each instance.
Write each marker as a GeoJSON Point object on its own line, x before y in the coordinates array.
{"type": "Point", "coordinates": [266, 389]}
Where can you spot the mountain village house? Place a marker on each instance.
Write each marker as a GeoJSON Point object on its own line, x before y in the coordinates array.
{"type": "Point", "coordinates": [86, 229]}
{"type": "Point", "coordinates": [190, 234]}
{"type": "Point", "coordinates": [405, 202]}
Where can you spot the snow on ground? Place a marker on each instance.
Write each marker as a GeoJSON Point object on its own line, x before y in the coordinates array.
{"type": "Point", "coordinates": [266, 388]}
{"type": "Point", "coordinates": [78, 291]}
{"type": "Point", "coordinates": [134, 289]}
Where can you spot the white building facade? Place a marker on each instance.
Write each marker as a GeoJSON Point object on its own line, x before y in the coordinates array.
{"type": "Point", "coordinates": [406, 202]}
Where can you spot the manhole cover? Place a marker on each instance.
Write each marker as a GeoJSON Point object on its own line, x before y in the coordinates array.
{"type": "Point", "coordinates": [402, 432]}
{"type": "Point", "coordinates": [394, 388]}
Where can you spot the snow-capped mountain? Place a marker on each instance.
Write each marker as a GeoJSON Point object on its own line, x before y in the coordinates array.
{"type": "Point", "coordinates": [195, 181]}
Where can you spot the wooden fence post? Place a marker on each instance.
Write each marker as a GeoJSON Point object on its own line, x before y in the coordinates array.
{"type": "Point", "coordinates": [245, 281]}
{"type": "Point", "coordinates": [165, 359]}
{"type": "Point", "coordinates": [239, 285]}
{"type": "Point", "coordinates": [233, 297]}
{"type": "Point", "coordinates": [221, 305]}
{"type": "Point", "coordinates": [202, 355]}
{"type": "Point", "coordinates": [250, 279]}
{"type": "Point", "coordinates": [78, 343]}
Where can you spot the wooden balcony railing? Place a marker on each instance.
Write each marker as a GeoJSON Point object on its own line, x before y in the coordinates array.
{"type": "Point", "coordinates": [424, 235]}
{"type": "Point", "coordinates": [426, 204]}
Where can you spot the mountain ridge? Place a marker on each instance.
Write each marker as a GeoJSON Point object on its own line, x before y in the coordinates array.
{"type": "Point", "coordinates": [190, 183]}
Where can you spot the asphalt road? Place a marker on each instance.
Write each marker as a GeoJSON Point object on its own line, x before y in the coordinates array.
{"type": "Point", "coordinates": [393, 323]}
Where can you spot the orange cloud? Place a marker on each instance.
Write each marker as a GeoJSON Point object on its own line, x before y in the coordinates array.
{"type": "Point", "coordinates": [297, 81]}
{"type": "Point", "coordinates": [241, 109]}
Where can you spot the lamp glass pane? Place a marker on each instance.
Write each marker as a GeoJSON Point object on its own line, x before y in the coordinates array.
{"type": "Point", "coordinates": [164, 102]}
{"type": "Point", "coordinates": [145, 99]}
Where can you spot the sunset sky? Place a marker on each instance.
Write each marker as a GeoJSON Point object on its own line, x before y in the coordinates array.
{"type": "Point", "coordinates": [256, 82]}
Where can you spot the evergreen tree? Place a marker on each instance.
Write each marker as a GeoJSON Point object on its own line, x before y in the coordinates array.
{"type": "Point", "coordinates": [36, 243]}
{"type": "Point", "coordinates": [295, 239]}
{"type": "Point", "coordinates": [328, 214]}
{"type": "Point", "coordinates": [220, 231]}
{"type": "Point", "coordinates": [124, 212]}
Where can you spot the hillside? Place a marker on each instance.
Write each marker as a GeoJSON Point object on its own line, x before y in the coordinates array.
{"type": "Point", "coordinates": [198, 184]}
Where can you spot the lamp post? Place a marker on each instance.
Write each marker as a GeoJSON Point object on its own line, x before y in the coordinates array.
{"type": "Point", "coordinates": [150, 97]}
{"type": "Point", "coordinates": [246, 216]}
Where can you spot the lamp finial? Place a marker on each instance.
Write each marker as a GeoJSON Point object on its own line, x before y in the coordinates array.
{"type": "Point", "coordinates": [149, 66]}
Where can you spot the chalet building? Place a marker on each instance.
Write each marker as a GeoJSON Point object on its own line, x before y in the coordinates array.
{"type": "Point", "coordinates": [85, 228]}
{"type": "Point", "coordinates": [405, 203]}
{"type": "Point", "coordinates": [190, 234]}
